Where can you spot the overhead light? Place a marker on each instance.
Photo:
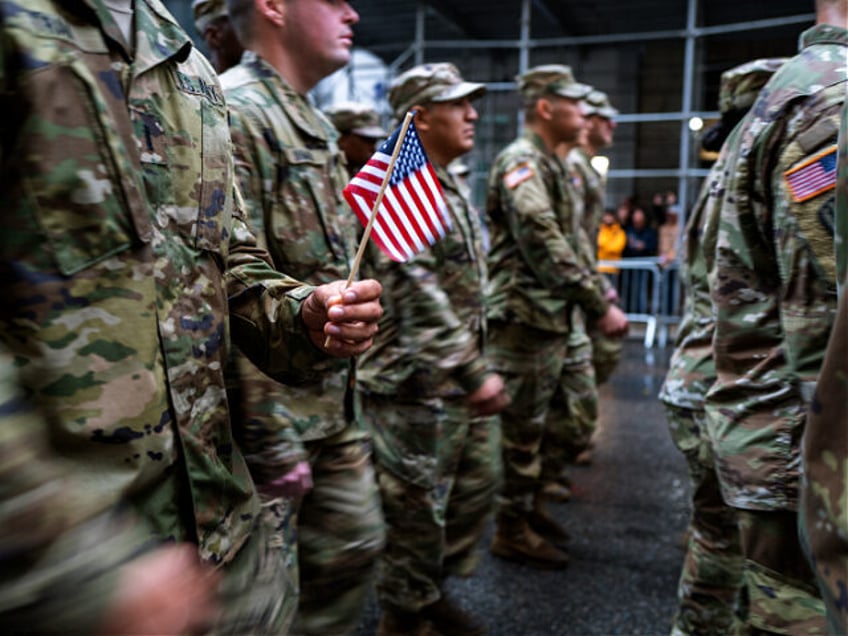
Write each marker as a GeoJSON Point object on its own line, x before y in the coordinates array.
{"type": "Point", "coordinates": [600, 164]}
{"type": "Point", "coordinates": [695, 124]}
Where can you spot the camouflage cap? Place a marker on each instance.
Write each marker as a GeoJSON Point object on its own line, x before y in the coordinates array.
{"type": "Point", "coordinates": [597, 103]}
{"type": "Point", "coordinates": [354, 117]}
{"type": "Point", "coordinates": [551, 79]}
{"type": "Point", "coordinates": [430, 83]}
{"type": "Point", "coordinates": [205, 11]}
{"type": "Point", "coordinates": [741, 84]}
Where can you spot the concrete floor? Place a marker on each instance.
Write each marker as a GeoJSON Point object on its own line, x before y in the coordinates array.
{"type": "Point", "coordinates": [627, 516]}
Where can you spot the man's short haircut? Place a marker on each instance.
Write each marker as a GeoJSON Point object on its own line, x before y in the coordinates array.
{"type": "Point", "coordinates": [242, 14]}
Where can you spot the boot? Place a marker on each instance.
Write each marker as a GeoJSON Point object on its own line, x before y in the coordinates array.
{"type": "Point", "coordinates": [555, 491]}
{"type": "Point", "coordinates": [448, 619]}
{"type": "Point", "coordinates": [514, 540]}
{"type": "Point", "coordinates": [398, 622]}
{"type": "Point", "coordinates": [543, 524]}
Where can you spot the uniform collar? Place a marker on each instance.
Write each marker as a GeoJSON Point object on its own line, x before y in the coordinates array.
{"type": "Point", "coordinates": [823, 34]}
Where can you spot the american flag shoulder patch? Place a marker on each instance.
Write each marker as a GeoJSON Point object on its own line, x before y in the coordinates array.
{"type": "Point", "coordinates": [518, 175]}
{"type": "Point", "coordinates": [813, 176]}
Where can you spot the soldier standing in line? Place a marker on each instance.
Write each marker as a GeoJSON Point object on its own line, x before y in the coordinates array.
{"type": "Point", "coordinates": [359, 131]}
{"type": "Point", "coordinates": [213, 25]}
{"type": "Point", "coordinates": [824, 488]}
{"type": "Point", "coordinates": [124, 261]}
{"type": "Point", "coordinates": [427, 386]}
{"type": "Point", "coordinates": [773, 286]}
{"type": "Point", "coordinates": [597, 135]}
{"type": "Point", "coordinates": [708, 592]}
{"type": "Point", "coordinates": [537, 277]}
{"type": "Point", "coordinates": [292, 173]}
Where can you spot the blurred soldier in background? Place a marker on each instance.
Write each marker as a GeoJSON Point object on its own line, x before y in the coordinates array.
{"type": "Point", "coordinates": [711, 580]}
{"type": "Point", "coordinates": [213, 25]}
{"type": "Point", "coordinates": [122, 255]}
{"type": "Point", "coordinates": [537, 277]}
{"type": "Point", "coordinates": [359, 131]}
{"type": "Point", "coordinates": [428, 388]}
{"type": "Point", "coordinates": [292, 173]}
{"type": "Point", "coordinates": [773, 286]}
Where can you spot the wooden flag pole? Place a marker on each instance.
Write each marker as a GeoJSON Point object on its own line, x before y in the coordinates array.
{"type": "Point", "coordinates": [354, 268]}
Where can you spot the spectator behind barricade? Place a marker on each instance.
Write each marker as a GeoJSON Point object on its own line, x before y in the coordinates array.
{"type": "Point", "coordinates": [611, 241]}
{"type": "Point", "coordinates": [641, 237]}
{"type": "Point", "coordinates": [359, 131]}
{"type": "Point", "coordinates": [212, 23]}
{"type": "Point", "coordinates": [667, 237]}
{"type": "Point", "coordinates": [623, 212]}
{"type": "Point", "coordinates": [658, 209]}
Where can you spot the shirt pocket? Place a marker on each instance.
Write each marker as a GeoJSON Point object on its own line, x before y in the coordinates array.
{"type": "Point", "coordinates": [76, 168]}
{"type": "Point", "coordinates": [308, 218]}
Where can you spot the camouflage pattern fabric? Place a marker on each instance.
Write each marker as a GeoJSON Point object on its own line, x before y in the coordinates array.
{"type": "Point", "coordinates": [292, 172]}
{"type": "Point", "coordinates": [437, 470]}
{"type": "Point", "coordinates": [436, 520]}
{"type": "Point", "coordinates": [824, 490]}
{"type": "Point", "coordinates": [120, 253]}
{"type": "Point", "coordinates": [774, 293]}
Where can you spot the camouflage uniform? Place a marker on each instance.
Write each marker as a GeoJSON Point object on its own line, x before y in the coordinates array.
{"type": "Point", "coordinates": [711, 580]}
{"type": "Point", "coordinates": [606, 352]}
{"type": "Point", "coordinates": [120, 251]}
{"type": "Point", "coordinates": [537, 277]}
{"type": "Point", "coordinates": [824, 491]}
{"type": "Point", "coordinates": [438, 465]}
{"type": "Point", "coordinates": [774, 293]}
{"type": "Point", "coordinates": [292, 173]}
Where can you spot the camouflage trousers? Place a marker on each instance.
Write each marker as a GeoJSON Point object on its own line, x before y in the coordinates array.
{"type": "Point", "coordinates": [606, 353]}
{"type": "Point", "coordinates": [531, 362]}
{"type": "Point", "coordinates": [781, 587]}
{"type": "Point", "coordinates": [438, 469]}
{"type": "Point", "coordinates": [709, 592]}
{"type": "Point", "coordinates": [340, 534]}
{"type": "Point", "coordinates": [573, 410]}
{"type": "Point", "coordinates": [258, 591]}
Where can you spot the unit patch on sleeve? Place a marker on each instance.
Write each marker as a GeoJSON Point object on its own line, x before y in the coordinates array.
{"type": "Point", "coordinates": [812, 176]}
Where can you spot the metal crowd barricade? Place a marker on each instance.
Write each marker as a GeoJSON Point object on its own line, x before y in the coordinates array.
{"type": "Point", "coordinates": [648, 292]}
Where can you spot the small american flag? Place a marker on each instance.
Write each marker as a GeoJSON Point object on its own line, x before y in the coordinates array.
{"type": "Point", "coordinates": [413, 213]}
{"type": "Point", "coordinates": [814, 176]}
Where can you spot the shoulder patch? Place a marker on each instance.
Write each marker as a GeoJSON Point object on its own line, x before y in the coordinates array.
{"type": "Point", "coordinates": [518, 175]}
{"type": "Point", "coordinates": [813, 176]}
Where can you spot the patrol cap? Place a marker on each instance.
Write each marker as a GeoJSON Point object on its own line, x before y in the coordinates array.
{"type": "Point", "coordinates": [426, 83]}
{"type": "Point", "coordinates": [205, 11]}
{"type": "Point", "coordinates": [551, 79]}
{"type": "Point", "coordinates": [357, 118]}
{"type": "Point", "coordinates": [597, 103]}
{"type": "Point", "coordinates": [741, 84]}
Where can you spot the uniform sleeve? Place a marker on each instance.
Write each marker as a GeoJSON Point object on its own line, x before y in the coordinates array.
{"type": "Point", "coordinates": [553, 259]}
{"type": "Point", "coordinates": [58, 564]}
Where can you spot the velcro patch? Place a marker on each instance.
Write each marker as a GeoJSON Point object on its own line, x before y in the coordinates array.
{"type": "Point", "coordinates": [813, 176]}
{"type": "Point", "coordinates": [518, 175]}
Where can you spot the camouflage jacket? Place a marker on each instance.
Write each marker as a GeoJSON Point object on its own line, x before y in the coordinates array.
{"type": "Point", "coordinates": [591, 187]}
{"type": "Point", "coordinates": [291, 174]}
{"type": "Point", "coordinates": [537, 273]}
{"type": "Point", "coordinates": [431, 335]}
{"type": "Point", "coordinates": [120, 249]}
{"type": "Point", "coordinates": [773, 286]}
{"type": "Point", "coordinates": [824, 511]}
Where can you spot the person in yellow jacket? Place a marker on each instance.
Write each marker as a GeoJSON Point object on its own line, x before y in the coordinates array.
{"type": "Point", "coordinates": [611, 241]}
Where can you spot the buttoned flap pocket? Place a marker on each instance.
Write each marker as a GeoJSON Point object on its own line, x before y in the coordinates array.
{"type": "Point", "coordinates": [307, 218]}
{"type": "Point", "coordinates": [186, 161]}
{"type": "Point", "coordinates": [75, 166]}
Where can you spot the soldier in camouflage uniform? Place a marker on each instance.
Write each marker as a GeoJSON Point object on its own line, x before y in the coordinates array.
{"type": "Point", "coordinates": [537, 277]}
{"type": "Point", "coordinates": [824, 488]}
{"type": "Point", "coordinates": [427, 388]}
{"type": "Point", "coordinates": [121, 251]}
{"type": "Point", "coordinates": [773, 286]}
{"type": "Point", "coordinates": [359, 131]}
{"type": "Point", "coordinates": [291, 173]}
{"type": "Point", "coordinates": [597, 135]}
{"type": "Point", "coordinates": [212, 23]}
{"type": "Point", "coordinates": [711, 580]}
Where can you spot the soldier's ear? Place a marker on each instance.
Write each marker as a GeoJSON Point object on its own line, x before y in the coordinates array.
{"type": "Point", "coordinates": [544, 108]}
{"type": "Point", "coordinates": [272, 10]}
{"type": "Point", "coordinates": [422, 118]}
